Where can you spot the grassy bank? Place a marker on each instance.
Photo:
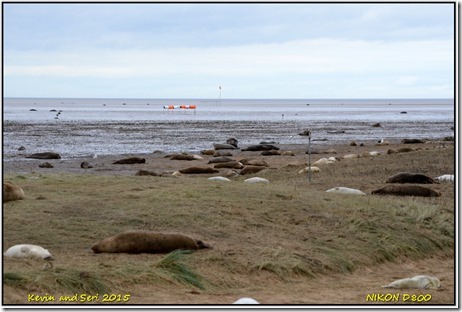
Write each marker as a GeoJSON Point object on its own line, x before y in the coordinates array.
{"type": "Point", "coordinates": [287, 230]}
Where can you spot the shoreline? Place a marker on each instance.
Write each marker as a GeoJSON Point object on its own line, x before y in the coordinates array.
{"type": "Point", "coordinates": [85, 139]}
{"type": "Point", "coordinates": [159, 161]}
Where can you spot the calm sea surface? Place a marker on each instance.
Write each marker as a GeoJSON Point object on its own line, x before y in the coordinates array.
{"type": "Point", "coordinates": [19, 109]}
{"type": "Point", "coordinates": [123, 126]}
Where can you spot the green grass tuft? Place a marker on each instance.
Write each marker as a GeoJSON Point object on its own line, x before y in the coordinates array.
{"type": "Point", "coordinates": [172, 267]}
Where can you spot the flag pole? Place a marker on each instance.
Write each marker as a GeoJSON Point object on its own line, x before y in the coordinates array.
{"type": "Point", "coordinates": [219, 97]}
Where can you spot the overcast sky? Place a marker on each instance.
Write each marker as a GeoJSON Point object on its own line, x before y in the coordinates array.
{"type": "Point", "coordinates": [251, 50]}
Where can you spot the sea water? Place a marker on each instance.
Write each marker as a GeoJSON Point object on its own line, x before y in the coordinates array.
{"type": "Point", "coordinates": [379, 110]}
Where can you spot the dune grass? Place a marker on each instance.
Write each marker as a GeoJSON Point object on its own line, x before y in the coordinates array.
{"type": "Point", "coordinates": [288, 229]}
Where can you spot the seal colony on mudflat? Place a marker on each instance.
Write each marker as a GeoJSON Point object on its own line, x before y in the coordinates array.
{"type": "Point", "coordinates": [140, 241]}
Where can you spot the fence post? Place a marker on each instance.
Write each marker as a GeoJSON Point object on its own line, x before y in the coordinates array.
{"type": "Point", "coordinates": [309, 156]}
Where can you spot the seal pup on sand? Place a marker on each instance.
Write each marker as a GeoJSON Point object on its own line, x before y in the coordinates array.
{"type": "Point", "coordinates": [419, 281]}
{"type": "Point", "coordinates": [140, 241]}
{"type": "Point", "coordinates": [28, 251]}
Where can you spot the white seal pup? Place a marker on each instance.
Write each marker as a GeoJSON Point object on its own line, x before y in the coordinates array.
{"type": "Point", "coordinates": [323, 161]}
{"type": "Point", "coordinates": [28, 251]}
{"type": "Point", "coordinates": [219, 179]}
{"type": "Point", "coordinates": [445, 178]}
{"type": "Point", "coordinates": [419, 281]}
{"type": "Point", "coordinates": [246, 301]}
{"type": "Point", "coordinates": [350, 156]}
{"type": "Point", "coordinates": [345, 190]}
{"type": "Point", "coordinates": [256, 180]}
{"type": "Point", "coordinates": [313, 169]}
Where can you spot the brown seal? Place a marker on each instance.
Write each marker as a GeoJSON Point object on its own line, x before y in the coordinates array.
{"type": "Point", "coordinates": [251, 169]}
{"type": "Point", "coordinates": [254, 162]}
{"type": "Point", "coordinates": [406, 177]}
{"type": "Point", "coordinates": [146, 173]}
{"type": "Point", "coordinates": [406, 190]}
{"type": "Point", "coordinates": [11, 192]}
{"type": "Point", "coordinates": [412, 141]}
{"type": "Point", "coordinates": [182, 157]}
{"type": "Point", "coordinates": [46, 165]}
{"type": "Point", "coordinates": [130, 161]}
{"type": "Point", "coordinates": [199, 170]}
{"type": "Point", "coordinates": [219, 146]}
{"type": "Point", "coordinates": [220, 153]}
{"type": "Point", "coordinates": [260, 147]}
{"type": "Point", "coordinates": [85, 165]}
{"type": "Point", "coordinates": [45, 155]}
{"type": "Point", "coordinates": [229, 164]}
{"type": "Point", "coordinates": [217, 160]}
{"type": "Point", "coordinates": [140, 241]}
{"type": "Point", "coordinates": [207, 152]}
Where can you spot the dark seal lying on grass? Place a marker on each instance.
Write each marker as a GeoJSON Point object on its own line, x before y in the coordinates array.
{"type": "Point", "coordinates": [198, 170]}
{"type": "Point", "coordinates": [407, 177]}
{"type": "Point", "coordinates": [251, 169]}
{"type": "Point", "coordinates": [406, 190]}
{"type": "Point", "coordinates": [140, 241]}
{"type": "Point", "coordinates": [146, 173]}
{"type": "Point", "coordinates": [130, 161]}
